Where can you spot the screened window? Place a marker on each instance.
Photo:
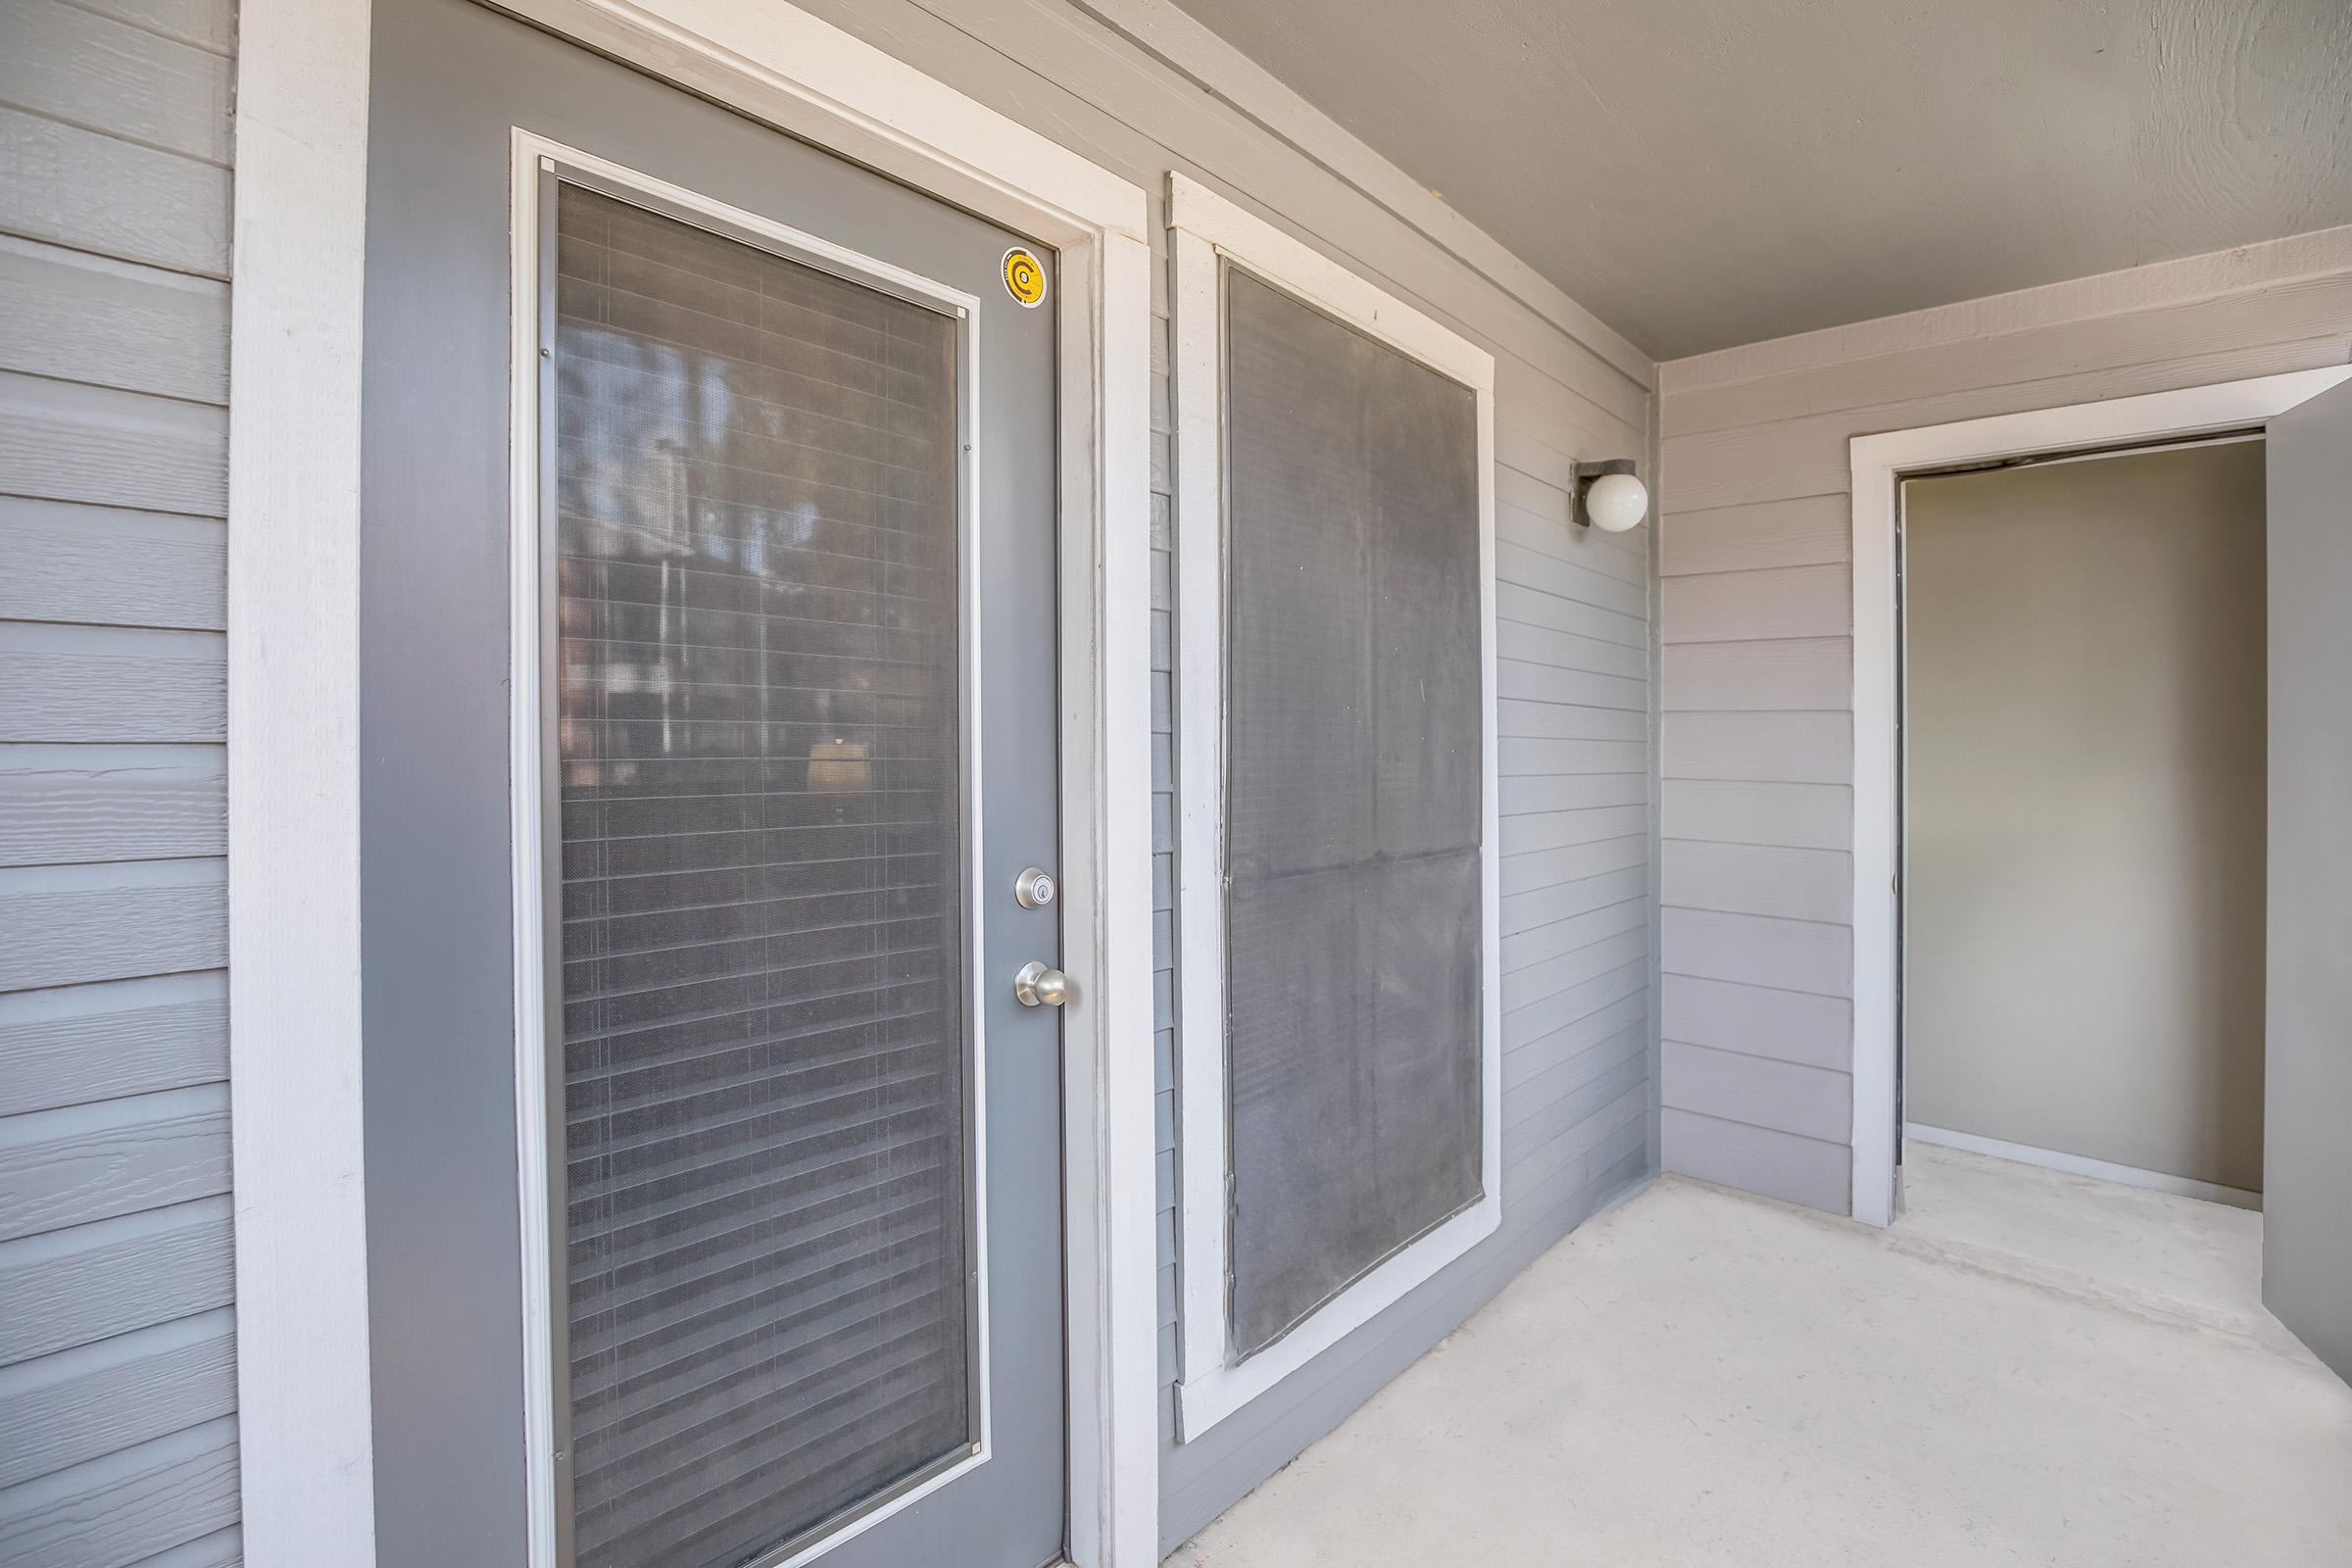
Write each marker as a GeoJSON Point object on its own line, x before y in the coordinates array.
{"type": "Point", "coordinates": [1354, 696]}
{"type": "Point", "coordinates": [1339, 1035]}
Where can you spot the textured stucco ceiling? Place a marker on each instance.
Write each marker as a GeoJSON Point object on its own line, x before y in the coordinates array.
{"type": "Point", "coordinates": [1705, 172]}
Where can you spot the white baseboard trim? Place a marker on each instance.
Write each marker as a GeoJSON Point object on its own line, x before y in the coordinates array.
{"type": "Point", "coordinates": [2082, 1165]}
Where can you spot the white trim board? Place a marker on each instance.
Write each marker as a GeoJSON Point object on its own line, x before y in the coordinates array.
{"type": "Point", "coordinates": [304, 1379]}
{"type": "Point", "coordinates": [1206, 227]}
{"type": "Point", "coordinates": [2155, 1181]}
{"type": "Point", "coordinates": [304, 1404]}
{"type": "Point", "coordinates": [1879, 463]}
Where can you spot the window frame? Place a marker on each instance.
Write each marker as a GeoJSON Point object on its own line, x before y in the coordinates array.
{"type": "Point", "coordinates": [540, 166]}
{"type": "Point", "coordinates": [1206, 235]}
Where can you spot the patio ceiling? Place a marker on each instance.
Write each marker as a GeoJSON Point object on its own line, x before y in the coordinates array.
{"type": "Point", "coordinates": [1706, 173]}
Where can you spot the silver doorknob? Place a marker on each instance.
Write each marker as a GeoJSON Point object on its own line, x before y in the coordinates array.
{"type": "Point", "coordinates": [1039, 985]}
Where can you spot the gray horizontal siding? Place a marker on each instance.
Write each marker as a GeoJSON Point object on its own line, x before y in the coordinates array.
{"type": "Point", "coordinates": [1811, 1102]}
{"type": "Point", "coordinates": [1780, 1025]}
{"type": "Point", "coordinates": [87, 190]}
{"type": "Point", "coordinates": [110, 566]}
{"type": "Point", "coordinates": [78, 1164]}
{"type": "Point", "coordinates": [127, 1506]}
{"type": "Point", "coordinates": [1778, 880]}
{"type": "Point", "coordinates": [79, 67]}
{"type": "Point", "coordinates": [79, 316]}
{"type": "Point", "coordinates": [69, 1046]}
{"type": "Point", "coordinates": [1792, 674]}
{"type": "Point", "coordinates": [68, 804]}
{"type": "Point", "coordinates": [118, 1331]}
{"type": "Point", "coordinates": [1813, 956]}
{"type": "Point", "coordinates": [84, 1404]}
{"type": "Point", "coordinates": [112, 921]}
{"type": "Point", "coordinates": [1802, 816]}
{"type": "Point", "coordinates": [111, 683]}
{"type": "Point", "coordinates": [1756, 685]}
{"type": "Point", "coordinates": [1737, 1151]}
{"type": "Point", "coordinates": [104, 446]}
{"type": "Point", "coordinates": [88, 1283]}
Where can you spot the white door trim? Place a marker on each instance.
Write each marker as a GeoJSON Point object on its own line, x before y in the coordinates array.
{"type": "Point", "coordinates": [305, 1439]}
{"type": "Point", "coordinates": [1204, 227]}
{"type": "Point", "coordinates": [293, 589]}
{"type": "Point", "coordinates": [1879, 463]}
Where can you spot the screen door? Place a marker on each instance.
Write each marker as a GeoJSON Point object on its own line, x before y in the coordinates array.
{"type": "Point", "coordinates": [783, 523]}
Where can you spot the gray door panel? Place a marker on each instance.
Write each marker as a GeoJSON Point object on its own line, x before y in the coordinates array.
{"type": "Point", "coordinates": [2307, 1131]}
{"type": "Point", "coordinates": [677, 430]}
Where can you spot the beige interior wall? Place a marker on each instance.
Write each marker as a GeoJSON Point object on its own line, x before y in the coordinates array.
{"type": "Point", "coordinates": [2084, 719]}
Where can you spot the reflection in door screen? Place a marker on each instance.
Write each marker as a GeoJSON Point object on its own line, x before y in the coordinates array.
{"type": "Point", "coordinates": [1354, 765]}
{"type": "Point", "coordinates": [766, 1257]}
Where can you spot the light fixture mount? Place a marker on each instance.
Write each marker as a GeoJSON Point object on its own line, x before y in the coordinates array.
{"type": "Point", "coordinates": [1609, 496]}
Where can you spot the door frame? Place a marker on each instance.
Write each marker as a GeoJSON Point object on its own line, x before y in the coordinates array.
{"type": "Point", "coordinates": [1880, 464]}
{"type": "Point", "coordinates": [299, 258]}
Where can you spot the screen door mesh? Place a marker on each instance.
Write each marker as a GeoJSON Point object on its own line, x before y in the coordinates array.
{"type": "Point", "coordinates": [1352, 804]}
{"type": "Point", "coordinates": [764, 1040]}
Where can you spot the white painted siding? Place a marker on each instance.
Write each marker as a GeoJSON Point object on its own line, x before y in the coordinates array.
{"type": "Point", "coordinates": [118, 1389]}
{"type": "Point", "coordinates": [1757, 757]}
{"type": "Point", "coordinates": [1574, 644]}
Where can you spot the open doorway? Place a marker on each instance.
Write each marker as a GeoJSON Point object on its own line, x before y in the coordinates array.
{"type": "Point", "coordinates": [2084, 771]}
{"type": "Point", "coordinates": [2082, 647]}
{"type": "Point", "coordinates": [2304, 421]}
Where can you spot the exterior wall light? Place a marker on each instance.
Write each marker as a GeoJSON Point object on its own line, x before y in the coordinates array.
{"type": "Point", "coordinates": [1608, 497]}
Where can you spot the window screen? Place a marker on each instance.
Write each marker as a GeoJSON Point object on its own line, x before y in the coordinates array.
{"type": "Point", "coordinates": [763, 1043]}
{"type": "Point", "coordinates": [1355, 766]}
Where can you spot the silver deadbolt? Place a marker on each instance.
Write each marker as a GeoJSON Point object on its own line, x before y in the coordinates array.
{"type": "Point", "coordinates": [1038, 985]}
{"type": "Point", "coordinates": [1033, 889]}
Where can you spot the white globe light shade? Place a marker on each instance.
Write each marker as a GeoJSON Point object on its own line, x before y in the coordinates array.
{"type": "Point", "coordinates": [1616, 501]}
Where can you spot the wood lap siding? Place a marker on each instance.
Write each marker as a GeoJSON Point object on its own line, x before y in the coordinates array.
{"type": "Point", "coordinates": [1755, 618]}
{"type": "Point", "coordinates": [118, 1392]}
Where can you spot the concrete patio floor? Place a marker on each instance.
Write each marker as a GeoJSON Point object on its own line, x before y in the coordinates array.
{"type": "Point", "coordinates": [2027, 1368]}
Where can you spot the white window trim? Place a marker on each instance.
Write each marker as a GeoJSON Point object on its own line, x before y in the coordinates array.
{"type": "Point", "coordinates": [303, 1394]}
{"type": "Point", "coordinates": [1879, 463]}
{"type": "Point", "coordinates": [1206, 230]}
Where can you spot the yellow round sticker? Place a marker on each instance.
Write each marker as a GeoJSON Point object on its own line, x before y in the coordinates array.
{"type": "Point", "coordinates": [1024, 277]}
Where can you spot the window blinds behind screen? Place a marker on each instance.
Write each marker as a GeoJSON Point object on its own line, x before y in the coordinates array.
{"type": "Point", "coordinates": [1354, 735]}
{"type": "Point", "coordinates": [764, 1041]}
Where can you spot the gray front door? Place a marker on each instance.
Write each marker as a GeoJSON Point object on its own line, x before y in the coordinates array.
{"type": "Point", "coordinates": [2307, 1063]}
{"type": "Point", "coordinates": [791, 548]}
